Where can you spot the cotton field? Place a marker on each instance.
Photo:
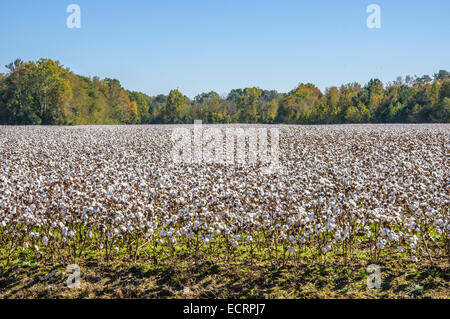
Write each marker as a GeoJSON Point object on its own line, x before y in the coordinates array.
{"type": "Point", "coordinates": [115, 193]}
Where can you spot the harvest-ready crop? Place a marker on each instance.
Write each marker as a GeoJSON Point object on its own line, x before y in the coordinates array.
{"type": "Point", "coordinates": [114, 193]}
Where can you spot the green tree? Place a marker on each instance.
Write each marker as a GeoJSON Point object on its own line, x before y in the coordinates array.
{"type": "Point", "coordinates": [143, 103]}
{"type": "Point", "coordinates": [52, 90]}
{"type": "Point", "coordinates": [441, 110]}
{"type": "Point", "coordinates": [174, 107]}
{"type": "Point", "coordinates": [19, 103]}
{"type": "Point", "coordinates": [298, 104]}
{"type": "Point", "coordinates": [249, 105]}
{"type": "Point", "coordinates": [269, 111]}
{"type": "Point", "coordinates": [442, 75]}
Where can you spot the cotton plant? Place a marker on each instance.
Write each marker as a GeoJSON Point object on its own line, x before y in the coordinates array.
{"type": "Point", "coordinates": [115, 191]}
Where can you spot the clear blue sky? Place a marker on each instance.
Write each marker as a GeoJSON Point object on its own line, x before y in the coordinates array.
{"type": "Point", "coordinates": [202, 45]}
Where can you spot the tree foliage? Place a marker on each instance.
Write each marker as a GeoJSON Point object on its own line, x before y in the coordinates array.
{"type": "Point", "coordinates": [44, 92]}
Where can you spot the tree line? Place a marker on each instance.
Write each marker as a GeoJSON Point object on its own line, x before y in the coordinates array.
{"type": "Point", "coordinates": [45, 92]}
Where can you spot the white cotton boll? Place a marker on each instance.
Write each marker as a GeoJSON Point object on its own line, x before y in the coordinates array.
{"type": "Point", "coordinates": [142, 186]}
{"type": "Point", "coordinates": [291, 250]}
{"type": "Point", "coordinates": [234, 243]}
{"type": "Point", "coordinates": [326, 248]}
{"type": "Point", "coordinates": [44, 241]}
{"type": "Point", "coordinates": [325, 184]}
{"type": "Point", "coordinates": [346, 232]}
{"type": "Point", "coordinates": [394, 237]}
